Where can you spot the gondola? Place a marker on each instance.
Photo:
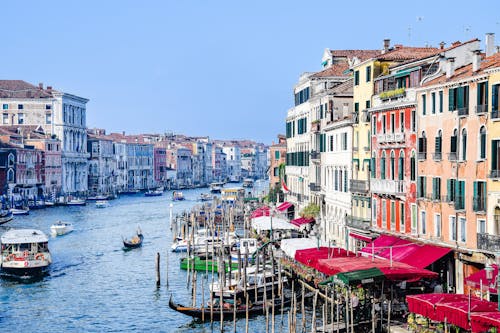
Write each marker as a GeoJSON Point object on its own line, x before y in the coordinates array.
{"type": "Point", "coordinates": [135, 241]}
{"type": "Point", "coordinates": [228, 313]}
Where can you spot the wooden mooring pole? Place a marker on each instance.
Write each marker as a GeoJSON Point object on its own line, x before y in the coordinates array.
{"type": "Point", "coordinates": [157, 269]}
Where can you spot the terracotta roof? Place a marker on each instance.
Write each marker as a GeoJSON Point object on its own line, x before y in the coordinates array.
{"type": "Point", "coordinates": [334, 70]}
{"type": "Point", "coordinates": [360, 54]}
{"type": "Point", "coordinates": [22, 89]}
{"type": "Point", "coordinates": [401, 53]}
{"type": "Point", "coordinates": [466, 71]}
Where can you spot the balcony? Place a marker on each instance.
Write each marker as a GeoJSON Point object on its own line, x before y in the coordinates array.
{"type": "Point", "coordinates": [463, 111]}
{"type": "Point", "coordinates": [391, 137]}
{"type": "Point", "coordinates": [452, 157]}
{"type": "Point", "coordinates": [437, 156]}
{"type": "Point", "coordinates": [481, 109]}
{"type": "Point", "coordinates": [355, 117]}
{"type": "Point", "coordinates": [488, 242]}
{"type": "Point", "coordinates": [314, 187]}
{"type": "Point", "coordinates": [315, 155]}
{"type": "Point", "coordinates": [422, 155]}
{"type": "Point", "coordinates": [387, 186]}
{"type": "Point", "coordinates": [365, 116]}
{"type": "Point", "coordinates": [358, 222]}
{"type": "Point", "coordinates": [392, 94]}
{"type": "Point", "coordinates": [315, 126]}
{"type": "Point", "coordinates": [359, 186]}
{"type": "Point", "coordinates": [494, 174]}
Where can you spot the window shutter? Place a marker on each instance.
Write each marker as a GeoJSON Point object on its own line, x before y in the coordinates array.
{"type": "Point", "coordinates": [424, 180]}
{"type": "Point", "coordinates": [451, 99]}
{"type": "Point", "coordinates": [485, 93]}
{"type": "Point", "coordinates": [475, 199]}
{"type": "Point", "coordinates": [448, 190]}
{"type": "Point", "coordinates": [478, 95]}
{"type": "Point", "coordinates": [401, 167]}
{"type": "Point", "coordinates": [460, 97]}
{"type": "Point", "coordinates": [494, 97]}
{"type": "Point", "coordinates": [494, 155]}
{"type": "Point", "coordinates": [484, 194]}
{"type": "Point", "coordinates": [453, 147]}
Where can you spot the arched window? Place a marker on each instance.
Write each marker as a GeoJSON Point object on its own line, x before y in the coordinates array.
{"type": "Point", "coordinates": [464, 144]}
{"type": "Point", "coordinates": [401, 165]}
{"type": "Point", "coordinates": [382, 166]}
{"type": "Point", "coordinates": [373, 165]}
{"type": "Point", "coordinates": [413, 166]}
{"type": "Point", "coordinates": [10, 176]}
{"type": "Point", "coordinates": [453, 146]}
{"type": "Point", "coordinates": [11, 160]}
{"type": "Point", "coordinates": [482, 142]}
{"type": "Point", "coordinates": [422, 146]}
{"type": "Point", "coordinates": [438, 146]}
{"type": "Point", "coordinates": [392, 165]}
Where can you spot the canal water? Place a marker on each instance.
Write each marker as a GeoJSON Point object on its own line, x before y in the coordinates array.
{"type": "Point", "coordinates": [95, 286]}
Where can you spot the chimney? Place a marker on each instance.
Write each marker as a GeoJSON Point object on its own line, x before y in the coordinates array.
{"type": "Point", "coordinates": [40, 85]}
{"type": "Point", "coordinates": [49, 88]}
{"type": "Point", "coordinates": [490, 44]}
{"type": "Point", "coordinates": [387, 43]}
{"type": "Point", "coordinates": [441, 45]}
{"type": "Point", "coordinates": [476, 60]}
{"type": "Point", "coordinates": [450, 67]}
{"type": "Point", "coordinates": [123, 133]}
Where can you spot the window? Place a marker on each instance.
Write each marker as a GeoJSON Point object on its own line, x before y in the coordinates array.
{"type": "Point", "coordinates": [20, 118]}
{"type": "Point", "coordinates": [482, 97]}
{"type": "Point", "coordinates": [438, 140]}
{"type": "Point", "coordinates": [276, 172]}
{"type": "Point", "coordinates": [494, 100]}
{"type": "Point", "coordinates": [421, 187]}
{"type": "Point", "coordinates": [48, 119]}
{"type": "Point", "coordinates": [479, 196]}
{"type": "Point", "coordinates": [481, 226]}
{"type": "Point", "coordinates": [437, 225]}
{"type": "Point", "coordinates": [302, 96]}
{"type": "Point", "coordinates": [460, 195]}
{"type": "Point", "coordinates": [441, 102]}
{"type": "Point", "coordinates": [48, 107]}
{"type": "Point", "coordinates": [331, 142]}
{"type": "Point", "coordinates": [277, 154]}
{"type": "Point", "coordinates": [384, 214]}
{"type": "Point", "coordinates": [422, 147]}
{"type": "Point", "coordinates": [382, 166]}
{"type": "Point", "coordinates": [401, 165]}
{"type": "Point", "coordinates": [458, 98]}
{"type": "Point", "coordinates": [451, 185]}
{"type": "Point", "coordinates": [368, 73]}
{"type": "Point", "coordinates": [433, 103]}
{"type": "Point", "coordinates": [344, 141]}
{"type": "Point", "coordinates": [453, 146]}
{"type": "Point", "coordinates": [356, 78]}
{"type": "Point", "coordinates": [402, 122]}
{"type": "Point", "coordinates": [463, 229]}
{"type": "Point", "coordinates": [5, 118]}
{"type": "Point", "coordinates": [482, 143]}
{"type": "Point", "coordinates": [336, 185]}
{"type": "Point", "coordinates": [374, 125]}
{"type": "Point", "coordinates": [424, 105]}
{"type": "Point", "coordinates": [414, 218]}
{"type": "Point", "coordinates": [413, 121]}
{"type": "Point", "coordinates": [495, 158]}
{"type": "Point", "coordinates": [464, 144]}
{"type": "Point", "coordinates": [367, 104]}
{"type": "Point", "coordinates": [10, 176]}
{"type": "Point", "coordinates": [436, 188]}
{"type": "Point", "coordinates": [453, 228]}
{"type": "Point", "coordinates": [392, 166]}
{"type": "Point", "coordinates": [11, 160]}
{"type": "Point", "coordinates": [5, 106]}
{"type": "Point", "coordinates": [373, 165]}
{"type": "Point", "coordinates": [384, 123]}
{"type": "Point", "coordinates": [393, 215]}
{"type": "Point", "coordinates": [393, 122]}
{"type": "Point", "coordinates": [20, 106]}
{"type": "Point", "coordinates": [345, 181]}
{"type": "Point", "coordinates": [374, 211]}
{"type": "Point", "coordinates": [401, 216]}
{"type": "Point", "coordinates": [423, 223]}
{"type": "Point", "coordinates": [413, 167]}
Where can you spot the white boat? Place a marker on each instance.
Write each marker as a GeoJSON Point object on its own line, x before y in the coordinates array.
{"type": "Point", "coordinates": [177, 196]}
{"type": "Point", "coordinates": [101, 204]}
{"type": "Point", "coordinates": [247, 246]}
{"type": "Point", "coordinates": [205, 197]}
{"type": "Point", "coordinates": [49, 203]}
{"type": "Point", "coordinates": [5, 216]}
{"type": "Point", "coordinates": [153, 193]}
{"type": "Point", "coordinates": [24, 252]}
{"type": "Point", "coordinates": [179, 245]}
{"type": "Point", "coordinates": [20, 211]}
{"type": "Point", "coordinates": [61, 228]}
{"type": "Point", "coordinates": [216, 187]}
{"type": "Point", "coordinates": [76, 202]}
{"type": "Point", "coordinates": [248, 182]}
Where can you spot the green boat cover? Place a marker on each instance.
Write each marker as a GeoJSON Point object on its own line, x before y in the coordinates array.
{"type": "Point", "coordinates": [355, 277]}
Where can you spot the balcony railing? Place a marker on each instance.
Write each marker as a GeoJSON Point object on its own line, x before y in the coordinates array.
{"type": "Point", "coordinates": [422, 155]}
{"type": "Point", "coordinates": [488, 242]}
{"type": "Point", "coordinates": [314, 187]}
{"type": "Point", "coordinates": [366, 148]}
{"type": "Point", "coordinates": [481, 108]}
{"type": "Point", "coordinates": [479, 204]}
{"type": "Point", "coordinates": [365, 116]}
{"type": "Point", "coordinates": [437, 156]}
{"type": "Point", "coordinates": [494, 174]}
{"type": "Point", "coordinates": [355, 117]}
{"type": "Point", "coordinates": [391, 137]}
{"type": "Point", "coordinates": [359, 186]}
{"type": "Point", "coordinates": [358, 222]}
{"type": "Point", "coordinates": [387, 186]}
{"type": "Point", "coordinates": [355, 148]}
{"type": "Point", "coordinates": [463, 111]}
{"type": "Point", "coordinates": [452, 157]}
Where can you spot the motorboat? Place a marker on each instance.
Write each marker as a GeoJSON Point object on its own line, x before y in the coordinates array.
{"type": "Point", "coordinates": [177, 196]}
{"type": "Point", "coordinates": [129, 191]}
{"type": "Point", "coordinates": [248, 182]}
{"type": "Point", "coordinates": [20, 211]}
{"type": "Point", "coordinates": [98, 197]}
{"type": "Point", "coordinates": [5, 216]}
{"type": "Point", "coordinates": [216, 187]}
{"type": "Point", "coordinates": [246, 246]}
{"type": "Point", "coordinates": [135, 241]}
{"type": "Point", "coordinates": [49, 203]}
{"type": "Point", "coordinates": [205, 197]}
{"type": "Point", "coordinates": [61, 228]}
{"type": "Point", "coordinates": [153, 193]}
{"type": "Point", "coordinates": [25, 252]}
{"type": "Point", "coordinates": [76, 202]}
{"type": "Point", "coordinates": [102, 203]}
{"type": "Point", "coordinates": [179, 245]}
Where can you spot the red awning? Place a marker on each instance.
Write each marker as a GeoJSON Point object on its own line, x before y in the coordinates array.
{"type": "Point", "coordinates": [425, 304]}
{"type": "Point", "coordinates": [456, 313]}
{"type": "Point", "coordinates": [479, 278]}
{"type": "Point", "coordinates": [310, 257]}
{"type": "Point", "coordinates": [483, 321]}
{"type": "Point", "coordinates": [402, 250]}
{"type": "Point", "coordinates": [364, 238]}
{"type": "Point", "coordinates": [262, 211]}
{"type": "Point", "coordinates": [284, 206]}
{"type": "Point", "coordinates": [301, 221]}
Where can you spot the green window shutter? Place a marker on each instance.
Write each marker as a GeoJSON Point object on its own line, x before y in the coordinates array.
{"type": "Point", "coordinates": [433, 95]}
{"type": "Point", "coordinates": [440, 102]}
{"type": "Point", "coordinates": [486, 93]}
{"type": "Point", "coordinates": [400, 168]}
{"type": "Point", "coordinates": [424, 180]}
{"type": "Point", "coordinates": [494, 155]}
{"type": "Point", "coordinates": [485, 193]}
{"type": "Point", "coordinates": [460, 97]}
{"type": "Point", "coordinates": [448, 190]}
{"type": "Point", "coordinates": [356, 107]}
{"type": "Point", "coordinates": [419, 189]}
{"type": "Point", "coordinates": [424, 105]}
{"type": "Point", "coordinates": [478, 94]}
{"type": "Point", "coordinates": [433, 188]}
{"type": "Point", "coordinates": [494, 97]}
{"type": "Point", "coordinates": [475, 197]}
{"type": "Point", "coordinates": [451, 99]}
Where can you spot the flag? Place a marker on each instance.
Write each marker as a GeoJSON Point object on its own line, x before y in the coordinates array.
{"type": "Point", "coordinates": [284, 187]}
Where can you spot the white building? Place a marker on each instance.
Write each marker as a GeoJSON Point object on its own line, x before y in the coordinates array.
{"type": "Point", "coordinates": [233, 163]}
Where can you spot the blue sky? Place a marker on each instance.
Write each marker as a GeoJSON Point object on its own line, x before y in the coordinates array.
{"type": "Point", "coordinates": [220, 68]}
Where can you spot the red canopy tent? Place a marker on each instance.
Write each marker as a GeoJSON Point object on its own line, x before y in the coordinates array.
{"type": "Point", "coordinates": [379, 244]}
{"type": "Point", "coordinates": [483, 321]}
{"type": "Point", "coordinates": [457, 313]}
{"type": "Point", "coordinates": [310, 257]}
{"type": "Point", "coordinates": [301, 221]}
{"type": "Point", "coordinates": [284, 206]}
{"type": "Point", "coordinates": [479, 278]}
{"type": "Point", "coordinates": [425, 304]}
{"type": "Point", "coordinates": [262, 211]}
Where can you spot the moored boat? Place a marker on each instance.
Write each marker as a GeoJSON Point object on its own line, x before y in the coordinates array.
{"type": "Point", "coordinates": [20, 211]}
{"type": "Point", "coordinates": [76, 202]}
{"type": "Point", "coordinates": [248, 182]}
{"type": "Point", "coordinates": [102, 203]}
{"type": "Point", "coordinates": [205, 264]}
{"type": "Point", "coordinates": [61, 228]}
{"type": "Point", "coordinates": [24, 252]}
{"type": "Point", "coordinates": [5, 216]}
{"type": "Point", "coordinates": [205, 197]}
{"type": "Point", "coordinates": [177, 196]}
{"type": "Point", "coordinates": [179, 245]}
{"type": "Point", "coordinates": [135, 241]}
{"type": "Point", "coordinates": [216, 187]}
{"type": "Point", "coordinates": [153, 193]}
